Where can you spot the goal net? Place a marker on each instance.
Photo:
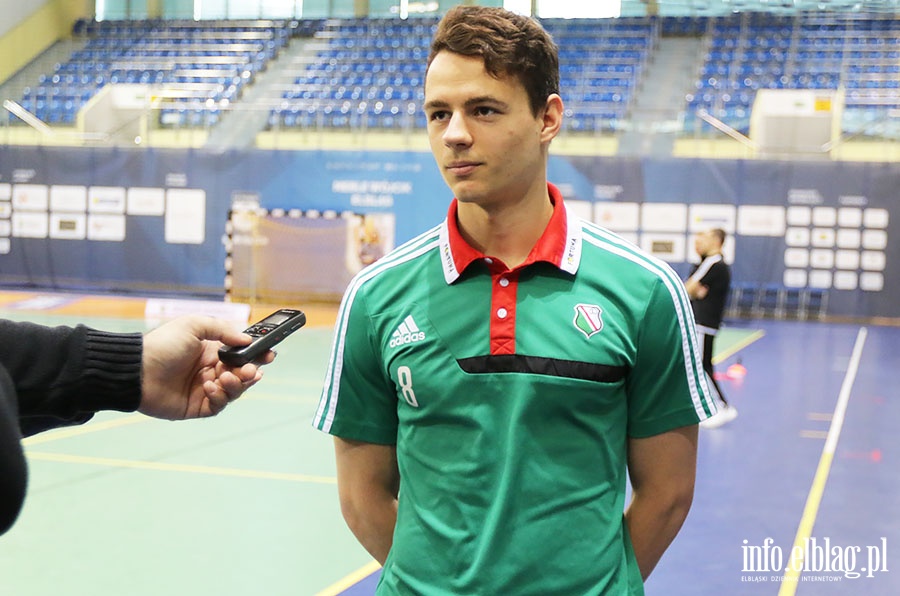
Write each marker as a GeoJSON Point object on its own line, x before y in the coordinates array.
{"type": "Point", "coordinates": [285, 257]}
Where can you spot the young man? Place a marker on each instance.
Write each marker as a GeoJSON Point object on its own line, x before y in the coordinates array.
{"type": "Point", "coordinates": [708, 286]}
{"type": "Point", "coordinates": [491, 378]}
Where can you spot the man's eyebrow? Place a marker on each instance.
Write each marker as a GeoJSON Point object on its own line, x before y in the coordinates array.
{"type": "Point", "coordinates": [481, 99]}
{"type": "Point", "coordinates": [434, 104]}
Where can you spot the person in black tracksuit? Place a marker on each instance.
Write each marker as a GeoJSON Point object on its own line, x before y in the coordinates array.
{"type": "Point", "coordinates": [51, 377]}
{"type": "Point", "coordinates": [708, 286]}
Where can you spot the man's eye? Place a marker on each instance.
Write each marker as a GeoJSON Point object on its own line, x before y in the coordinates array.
{"type": "Point", "coordinates": [437, 116]}
{"type": "Point", "coordinates": [484, 111]}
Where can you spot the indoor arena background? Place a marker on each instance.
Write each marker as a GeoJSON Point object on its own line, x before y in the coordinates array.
{"type": "Point", "coordinates": [214, 157]}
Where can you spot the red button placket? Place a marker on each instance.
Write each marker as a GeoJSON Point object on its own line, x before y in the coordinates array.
{"type": "Point", "coordinates": [504, 284]}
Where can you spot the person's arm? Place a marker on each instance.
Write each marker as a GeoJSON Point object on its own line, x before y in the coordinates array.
{"type": "Point", "coordinates": [662, 469]}
{"type": "Point", "coordinates": [368, 486]}
{"type": "Point", "coordinates": [697, 285]}
{"type": "Point", "coordinates": [63, 375]}
{"type": "Point", "coordinates": [695, 289]}
{"type": "Point", "coordinates": [13, 470]}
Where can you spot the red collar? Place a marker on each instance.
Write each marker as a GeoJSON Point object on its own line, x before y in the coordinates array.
{"type": "Point", "coordinates": [559, 245]}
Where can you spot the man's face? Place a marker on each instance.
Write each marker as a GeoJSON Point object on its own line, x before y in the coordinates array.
{"type": "Point", "coordinates": [703, 243]}
{"type": "Point", "coordinates": [483, 135]}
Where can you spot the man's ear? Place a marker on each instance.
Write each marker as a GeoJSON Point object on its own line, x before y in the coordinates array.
{"type": "Point", "coordinates": [552, 117]}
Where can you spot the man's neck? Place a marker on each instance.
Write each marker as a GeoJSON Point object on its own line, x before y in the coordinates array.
{"type": "Point", "coordinates": [508, 231]}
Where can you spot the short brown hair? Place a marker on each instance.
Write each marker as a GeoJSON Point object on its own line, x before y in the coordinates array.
{"type": "Point", "coordinates": [510, 45]}
{"type": "Point", "coordinates": [719, 234]}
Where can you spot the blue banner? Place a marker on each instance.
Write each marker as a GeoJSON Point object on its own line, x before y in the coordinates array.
{"type": "Point", "coordinates": [153, 220]}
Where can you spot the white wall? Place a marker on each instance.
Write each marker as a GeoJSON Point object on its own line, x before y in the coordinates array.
{"type": "Point", "coordinates": [14, 11]}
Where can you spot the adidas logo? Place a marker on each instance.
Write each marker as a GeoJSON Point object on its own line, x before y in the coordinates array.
{"type": "Point", "coordinates": [407, 333]}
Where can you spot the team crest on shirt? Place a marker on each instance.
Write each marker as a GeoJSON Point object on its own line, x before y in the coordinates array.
{"type": "Point", "coordinates": [588, 319]}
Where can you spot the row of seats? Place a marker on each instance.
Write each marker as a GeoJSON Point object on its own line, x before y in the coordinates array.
{"type": "Point", "coordinates": [193, 117]}
{"type": "Point", "coordinates": [359, 67]}
{"type": "Point", "coordinates": [607, 90]}
{"type": "Point", "coordinates": [744, 94]}
{"type": "Point", "coordinates": [780, 54]}
{"type": "Point", "coordinates": [622, 27]}
{"type": "Point", "coordinates": [746, 54]}
{"type": "Point", "coordinates": [597, 52]}
{"type": "Point", "coordinates": [383, 60]}
{"type": "Point", "coordinates": [750, 300]}
{"type": "Point", "coordinates": [338, 114]}
{"type": "Point", "coordinates": [379, 42]}
{"type": "Point", "coordinates": [387, 26]}
{"type": "Point", "coordinates": [312, 113]}
{"type": "Point", "coordinates": [57, 84]}
{"type": "Point", "coordinates": [154, 27]}
{"type": "Point", "coordinates": [396, 79]}
{"type": "Point", "coordinates": [756, 68]}
{"type": "Point", "coordinates": [771, 80]}
{"type": "Point", "coordinates": [205, 62]}
{"type": "Point", "coordinates": [373, 92]}
{"type": "Point", "coordinates": [600, 54]}
{"type": "Point", "coordinates": [763, 40]}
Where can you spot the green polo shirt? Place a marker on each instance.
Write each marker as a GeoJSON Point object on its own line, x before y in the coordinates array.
{"type": "Point", "coordinates": [510, 396]}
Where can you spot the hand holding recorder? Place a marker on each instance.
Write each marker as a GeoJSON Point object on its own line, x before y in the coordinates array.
{"type": "Point", "coordinates": [187, 373]}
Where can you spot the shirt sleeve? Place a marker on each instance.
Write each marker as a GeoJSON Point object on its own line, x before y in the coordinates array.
{"type": "Point", "coordinates": [359, 401]}
{"type": "Point", "coordinates": [13, 469]}
{"type": "Point", "coordinates": [666, 386]}
{"type": "Point", "coordinates": [63, 375]}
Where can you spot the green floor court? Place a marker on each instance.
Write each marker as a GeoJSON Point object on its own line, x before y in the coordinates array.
{"type": "Point", "coordinates": [244, 503]}
{"type": "Point", "coordinates": [237, 505]}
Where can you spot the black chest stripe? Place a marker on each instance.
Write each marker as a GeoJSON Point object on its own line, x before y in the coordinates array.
{"type": "Point", "coordinates": [553, 367]}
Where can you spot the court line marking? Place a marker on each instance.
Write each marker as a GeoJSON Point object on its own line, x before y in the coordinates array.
{"type": "Point", "coordinates": [732, 350]}
{"type": "Point", "coordinates": [813, 434]}
{"type": "Point", "coordinates": [811, 510]}
{"type": "Point", "coordinates": [820, 416]}
{"type": "Point", "coordinates": [75, 431]}
{"type": "Point", "coordinates": [351, 580]}
{"type": "Point", "coordinates": [173, 467]}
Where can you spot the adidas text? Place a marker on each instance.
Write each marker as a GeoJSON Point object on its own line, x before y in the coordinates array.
{"type": "Point", "coordinates": [407, 339]}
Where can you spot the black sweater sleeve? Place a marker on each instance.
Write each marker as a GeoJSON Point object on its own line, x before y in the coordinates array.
{"type": "Point", "coordinates": [62, 375]}
{"type": "Point", "coordinates": [12, 460]}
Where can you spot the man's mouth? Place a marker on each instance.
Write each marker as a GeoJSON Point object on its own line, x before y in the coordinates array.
{"type": "Point", "coordinates": [462, 168]}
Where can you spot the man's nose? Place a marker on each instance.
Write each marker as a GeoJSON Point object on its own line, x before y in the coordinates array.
{"type": "Point", "coordinates": [457, 131]}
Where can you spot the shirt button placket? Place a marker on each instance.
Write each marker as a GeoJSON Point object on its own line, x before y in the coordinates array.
{"type": "Point", "coordinates": [503, 320]}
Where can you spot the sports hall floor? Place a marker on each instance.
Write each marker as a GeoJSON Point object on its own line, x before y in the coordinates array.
{"type": "Point", "coordinates": [245, 503]}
